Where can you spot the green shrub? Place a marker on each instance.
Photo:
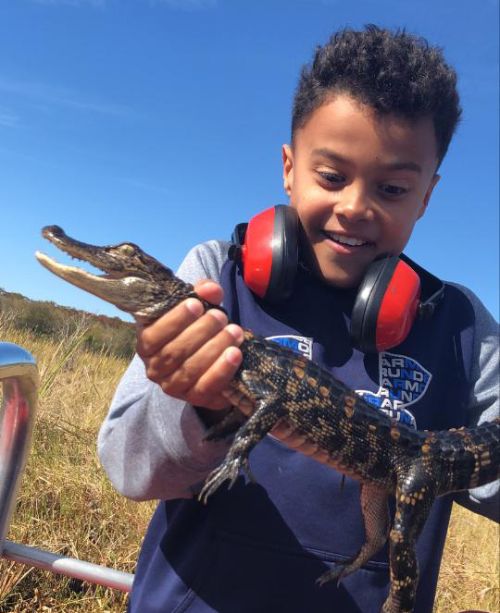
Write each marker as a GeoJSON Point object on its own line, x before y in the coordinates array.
{"type": "Point", "coordinates": [108, 335]}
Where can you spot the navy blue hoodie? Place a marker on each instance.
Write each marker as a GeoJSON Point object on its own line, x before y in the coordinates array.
{"type": "Point", "coordinates": [260, 547]}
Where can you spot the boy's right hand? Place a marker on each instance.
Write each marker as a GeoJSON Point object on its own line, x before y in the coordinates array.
{"type": "Point", "coordinates": [192, 354]}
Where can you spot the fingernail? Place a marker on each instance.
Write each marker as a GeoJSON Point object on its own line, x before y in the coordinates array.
{"type": "Point", "coordinates": [233, 356]}
{"type": "Point", "coordinates": [194, 306]}
{"type": "Point", "coordinates": [219, 315]}
{"type": "Point", "coordinates": [236, 332]}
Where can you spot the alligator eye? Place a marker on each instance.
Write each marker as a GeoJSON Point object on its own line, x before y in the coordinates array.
{"type": "Point", "coordinates": [127, 249]}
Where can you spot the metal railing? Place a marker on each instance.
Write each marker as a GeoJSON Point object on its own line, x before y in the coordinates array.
{"type": "Point", "coordinates": [19, 379]}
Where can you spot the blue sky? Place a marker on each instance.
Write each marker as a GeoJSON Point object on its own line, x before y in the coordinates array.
{"type": "Point", "coordinates": [161, 122]}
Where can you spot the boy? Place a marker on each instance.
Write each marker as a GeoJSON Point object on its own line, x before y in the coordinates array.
{"type": "Point", "coordinates": [373, 116]}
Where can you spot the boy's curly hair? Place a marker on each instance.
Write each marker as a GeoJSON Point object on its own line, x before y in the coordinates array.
{"type": "Point", "coordinates": [393, 72]}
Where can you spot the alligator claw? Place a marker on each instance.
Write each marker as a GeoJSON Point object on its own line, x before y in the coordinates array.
{"type": "Point", "coordinates": [228, 471]}
{"type": "Point", "coordinates": [334, 574]}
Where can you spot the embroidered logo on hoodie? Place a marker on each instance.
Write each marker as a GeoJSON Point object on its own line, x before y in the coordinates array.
{"type": "Point", "coordinates": [402, 382]}
{"type": "Point", "coordinates": [300, 344]}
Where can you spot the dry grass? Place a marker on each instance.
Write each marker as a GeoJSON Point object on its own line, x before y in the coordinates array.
{"type": "Point", "coordinates": [470, 570]}
{"type": "Point", "coordinates": [67, 505]}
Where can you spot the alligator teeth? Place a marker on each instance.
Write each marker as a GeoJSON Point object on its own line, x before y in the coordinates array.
{"type": "Point", "coordinates": [347, 240]}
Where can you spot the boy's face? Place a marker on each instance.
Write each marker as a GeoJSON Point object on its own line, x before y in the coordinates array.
{"type": "Point", "coordinates": [359, 183]}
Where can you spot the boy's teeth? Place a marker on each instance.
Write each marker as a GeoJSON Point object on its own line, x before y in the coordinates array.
{"type": "Point", "coordinates": [346, 240]}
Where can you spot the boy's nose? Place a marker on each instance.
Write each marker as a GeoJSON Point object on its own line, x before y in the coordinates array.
{"type": "Point", "coordinates": [354, 205]}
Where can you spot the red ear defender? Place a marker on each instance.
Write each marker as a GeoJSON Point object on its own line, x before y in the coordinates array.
{"type": "Point", "coordinates": [386, 305]}
{"type": "Point", "coordinates": [268, 250]}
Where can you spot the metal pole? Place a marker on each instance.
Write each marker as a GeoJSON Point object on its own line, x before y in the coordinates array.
{"type": "Point", "coordinates": [71, 567]}
{"type": "Point", "coordinates": [19, 377]}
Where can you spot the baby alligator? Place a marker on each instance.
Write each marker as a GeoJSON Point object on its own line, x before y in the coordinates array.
{"type": "Point", "coordinates": [388, 459]}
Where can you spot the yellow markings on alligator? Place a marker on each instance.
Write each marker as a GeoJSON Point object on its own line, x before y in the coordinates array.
{"type": "Point", "coordinates": [425, 448]}
{"type": "Point", "coordinates": [401, 583]}
{"type": "Point", "coordinates": [478, 465]}
{"type": "Point", "coordinates": [412, 498]}
{"type": "Point", "coordinates": [395, 433]}
{"type": "Point", "coordinates": [345, 426]}
{"type": "Point", "coordinates": [299, 371]}
{"type": "Point", "coordinates": [303, 405]}
{"type": "Point", "coordinates": [485, 458]}
{"type": "Point", "coordinates": [396, 536]}
{"type": "Point", "coordinates": [348, 410]}
{"type": "Point", "coordinates": [349, 405]}
{"type": "Point", "coordinates": [312, 381]}
{"type": "Point", "coordinates": [292, 386]}
{"type": "Point", "coordinates": [324, 391]}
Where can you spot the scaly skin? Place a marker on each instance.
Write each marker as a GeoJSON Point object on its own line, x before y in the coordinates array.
{"type": "Point", "coordinates": [272, 383]}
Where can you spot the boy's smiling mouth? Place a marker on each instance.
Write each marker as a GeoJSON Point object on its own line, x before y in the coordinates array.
{"type": "Point", "coordinates": [346, 240]}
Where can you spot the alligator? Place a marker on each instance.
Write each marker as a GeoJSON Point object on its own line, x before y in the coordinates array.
{"type": "Point", "coordinates": [274, 383]}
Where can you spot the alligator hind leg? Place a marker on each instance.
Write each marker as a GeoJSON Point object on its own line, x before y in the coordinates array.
{"type": "Point", "coordinates": [253, 430]}
{"type": "Point", "coordinates": [376, 520]}
{"type": "Point", "coordinates": [413, 502]}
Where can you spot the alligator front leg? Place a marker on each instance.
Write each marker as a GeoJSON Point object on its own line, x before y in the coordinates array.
{"type": "Point", "coordinates": [230, 424]}
{"type": "Point", "coordinates": [414, 499]}
{"type": "Point", "coordinates": [269, 411]}
{"type": "Point", "coordinates": [376, 521]}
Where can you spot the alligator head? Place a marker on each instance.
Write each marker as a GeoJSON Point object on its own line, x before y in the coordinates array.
{"type": "Point", "coordinates": [133, 280]}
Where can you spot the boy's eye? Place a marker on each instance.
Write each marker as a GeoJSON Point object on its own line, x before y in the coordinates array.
{"type": "Point", "coordinates": [392, 190]}
{"type": "Point", "coordinates": [332, 177]}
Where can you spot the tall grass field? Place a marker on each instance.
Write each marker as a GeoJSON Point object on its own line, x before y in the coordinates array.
{"type": "Point", "coordinates": [66, 504]}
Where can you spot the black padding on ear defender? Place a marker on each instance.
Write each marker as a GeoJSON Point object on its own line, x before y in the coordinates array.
{"type": "Point", "coordinates": [432, 288]}
{"type": "Point", "coordinates": [285, 249]}
{"type": "Point", "coordinates": [368, 302]}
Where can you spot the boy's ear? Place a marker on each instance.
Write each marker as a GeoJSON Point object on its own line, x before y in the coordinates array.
{"type": "Point", "coordinates": [428, 194]}
{"type": "Point", "coordinates": [287, 157]}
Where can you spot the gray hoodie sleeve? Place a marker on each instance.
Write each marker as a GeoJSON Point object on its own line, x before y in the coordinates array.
{"type": "Point", "coordinates": [151, 445]}
{"type": "Point", "coordinates": [484, 402]}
